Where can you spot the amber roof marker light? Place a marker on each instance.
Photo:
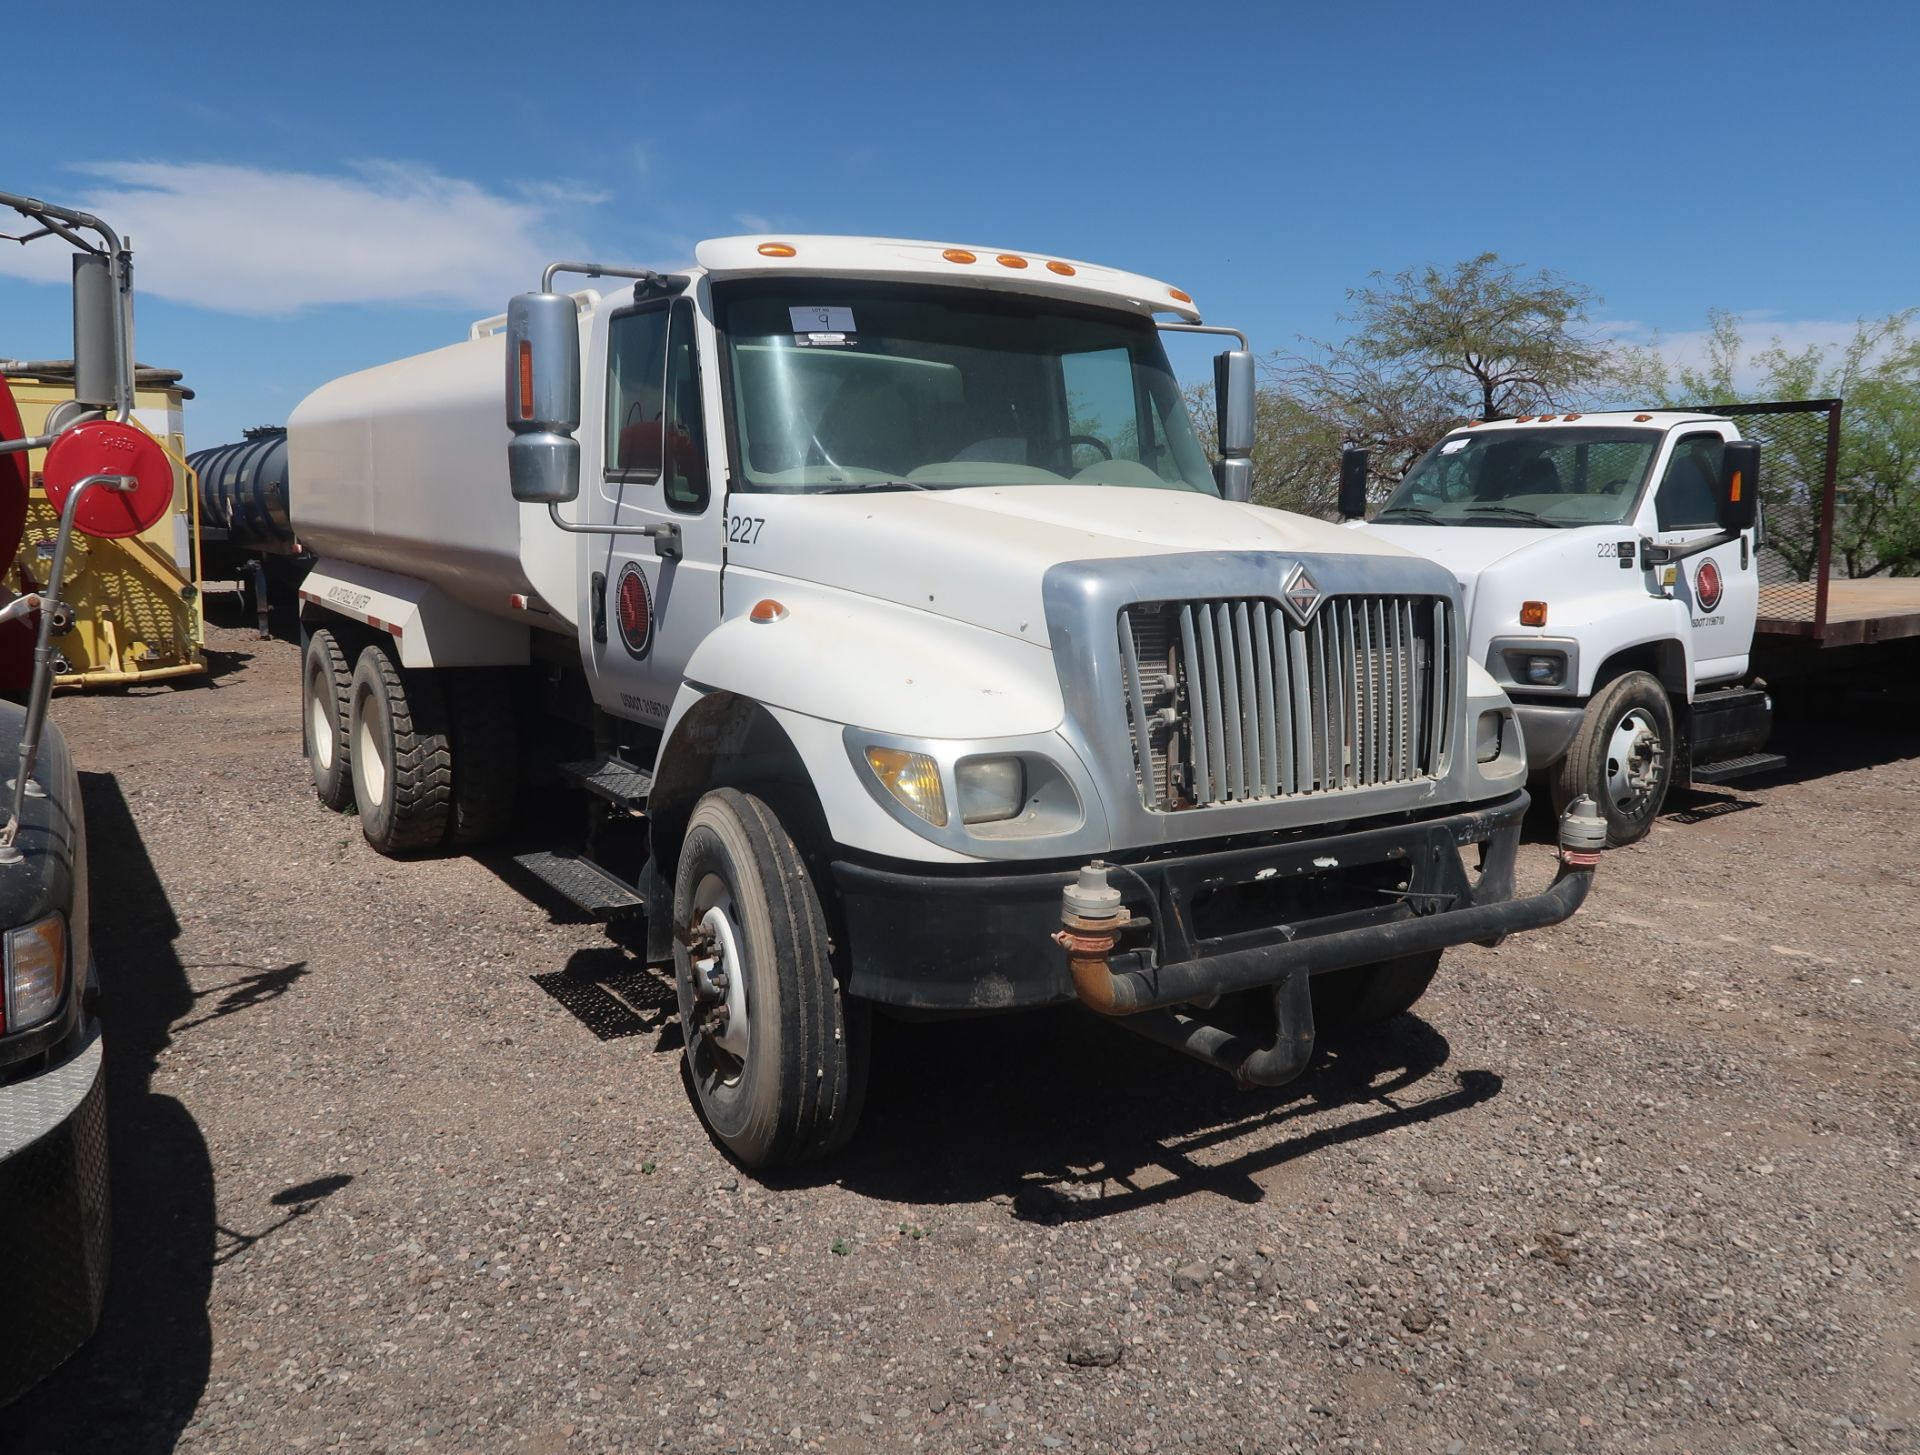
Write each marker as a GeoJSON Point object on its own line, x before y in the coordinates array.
{"type": "Point", "coordinates": [1011, 260]}
{"type": "Point", "coordinates": [777, 250]}
{"type": "Point", "coordinates": [1065, 270]}
{"type": "Point", "coordinates": [959, 255]}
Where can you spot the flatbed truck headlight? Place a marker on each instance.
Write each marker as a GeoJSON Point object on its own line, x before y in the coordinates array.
{"type": "Point", "coordinates": [990, 789]}
{"type": "Point", "coordinates": [36, 968]}
{"type": "Point", "coordinates": [913, 779]}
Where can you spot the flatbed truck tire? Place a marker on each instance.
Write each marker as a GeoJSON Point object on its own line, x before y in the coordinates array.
{"type": "Point", "coordinates": [791, 1090]}
{"type": "Point", "coordinates": [1627, 731]}
{"type": "Point", "coordinates": [480, 716]}
{"type": "Point", "coordinates": [326, 684]}
{"type": "Point", "coordinates": [1347, 1000]}
{"type": "Point", "coordinates": [402, 755]}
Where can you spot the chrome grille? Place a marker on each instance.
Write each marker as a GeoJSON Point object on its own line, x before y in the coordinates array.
{"type": "Point", "coordinates": [1231, 701]}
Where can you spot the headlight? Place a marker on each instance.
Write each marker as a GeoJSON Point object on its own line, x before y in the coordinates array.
{"type": "Point", "coordinates": [914, 779]}
{"type": "Point", "coordinates": [36, 956]}
{"type": "Point", "coordinates": [1486, 737]}
{"type": "Point", "coordinates": [1545, 671]}
{"type": "Point", "coordinates": [989, 789]}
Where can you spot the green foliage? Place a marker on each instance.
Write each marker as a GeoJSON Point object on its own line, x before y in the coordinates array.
{"type": "Point", "coordinates": [1877, 373]}
{"type": "Point", "coordinates": [1432, 348]}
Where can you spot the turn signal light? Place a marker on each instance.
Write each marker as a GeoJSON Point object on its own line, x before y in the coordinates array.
{"type": "Point", "coordinates": [1533, 613]}
{"type": "Point", "coordinates": [777, 250]}
{"type": "Point", "coordinates": [1179, 295]}
{"type": "Point", "coordinates": [913, 779]}
{"type": "Point", "coordinates": [958, 255]}
{"type": "Point", "coordinates": [766, 611]}
{"type": "Point", "coordinates": [526, 378]}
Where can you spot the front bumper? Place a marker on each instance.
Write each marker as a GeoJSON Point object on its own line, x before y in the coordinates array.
{"type": "Point", "coordinates": [53, 1205]}
{"type": "Point", "coordinates": [1197, 924]}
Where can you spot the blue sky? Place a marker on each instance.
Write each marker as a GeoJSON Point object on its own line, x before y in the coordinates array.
{"type": "Point", "coordinates": [312, 189]}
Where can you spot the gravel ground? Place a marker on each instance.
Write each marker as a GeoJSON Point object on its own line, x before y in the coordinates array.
{"type": "Point", "coordinates": [1645, 1181]}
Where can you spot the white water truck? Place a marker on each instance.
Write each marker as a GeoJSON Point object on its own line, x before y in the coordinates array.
{"type": "Point", "coordinates": [879, 600]}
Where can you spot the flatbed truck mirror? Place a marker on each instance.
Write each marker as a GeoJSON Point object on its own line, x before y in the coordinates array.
{"type": "Point", "coordinates": [543, 398]}
{"type": "Point", "coordinates": [1353, 483]}
{"type": "Point", "coordinates": [1739, 485]}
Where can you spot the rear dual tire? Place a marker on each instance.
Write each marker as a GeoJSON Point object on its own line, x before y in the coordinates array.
{"type": "Point", "coordinates": [428, 758]}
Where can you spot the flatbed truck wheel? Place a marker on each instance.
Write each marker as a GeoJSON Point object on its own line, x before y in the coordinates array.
{"type": "Point", "coordinates": [326, 683]}
{"type": "Point", "coordinates": [1622, 757]}
{"type": "Point", "coordinates": [402, 755]}
{"type": "Point", "coordinates": [776, 1052]}
{"type": "Point", "coordinates": [1345, 1000]}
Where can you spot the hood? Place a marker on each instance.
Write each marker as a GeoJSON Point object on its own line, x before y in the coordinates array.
{"type": "Point", "coordinates": [980, 555]}
{"type": "Point", "coordinates": [1466, 550]}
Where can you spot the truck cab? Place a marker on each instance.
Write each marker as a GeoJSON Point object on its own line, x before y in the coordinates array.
{"type": "Point", "coordinates": [883, 605]}
{"type": "Point", "coordinates": [1607, 566]}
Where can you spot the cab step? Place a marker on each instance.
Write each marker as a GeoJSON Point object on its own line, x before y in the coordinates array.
{"type": "Point", "coordinates": [1742, 767]}
{"type": "Point", "coordinates": [612, 778]}
{"type": "Point", "coordinates": [583, 883]}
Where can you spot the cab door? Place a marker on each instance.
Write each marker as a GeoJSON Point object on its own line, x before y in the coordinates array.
{"type": "Point", "coordinates": [1719, 589]}
{"type": "Point", "coordinates": [653, 601]}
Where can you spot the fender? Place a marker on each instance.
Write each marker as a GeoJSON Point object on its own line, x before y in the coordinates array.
{"type": "Point", "coordinates": [857, 660]}
{"type": "Point", "coordinates": [428, 626]}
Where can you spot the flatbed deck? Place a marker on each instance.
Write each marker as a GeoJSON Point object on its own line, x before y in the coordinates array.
{"type": "Point", "coordinates": [1873, 609]}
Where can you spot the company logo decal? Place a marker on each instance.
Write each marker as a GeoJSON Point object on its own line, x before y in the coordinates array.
{"type": "Point", "coordinates": [1300, 595]}
{"type": "Point", "coordinates": [633, 610]}
{"type": "Point", "coordinates": [1706, 585]}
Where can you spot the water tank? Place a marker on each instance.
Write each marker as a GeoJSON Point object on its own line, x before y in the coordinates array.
{"type": "Point", "coordinates": [243, 489]}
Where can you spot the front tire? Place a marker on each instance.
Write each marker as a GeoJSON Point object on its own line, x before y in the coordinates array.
{"type": "Point", "coordinates": [326, 684]}
{"type": "Point", "coordinates": [1622, 757]}
{"type": "Point", "coordinates": [775, 1049]}
{"type": "Point", "coordinates": [1346, 1000]}
{"type": "Point", "coordinates": [402, 756]}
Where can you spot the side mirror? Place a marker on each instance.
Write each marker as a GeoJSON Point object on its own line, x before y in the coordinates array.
{"type": "Point", "coordinates": [96, 334]}
{"type": "Point", "coordinates": [1353, 483]}
{"type": "Point", "coordinates": [1233, 411]}
{"type": "Point", "coordinates": [1739, 502]}
{"type": "Point", "coordinates": [543, 398]}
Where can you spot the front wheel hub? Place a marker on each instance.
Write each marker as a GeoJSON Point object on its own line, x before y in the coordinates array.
{"type": "Point", "coordinates": [1635, 755]}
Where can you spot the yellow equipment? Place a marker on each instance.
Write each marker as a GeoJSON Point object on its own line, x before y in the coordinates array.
{"type": "Point", "coordinates": [136, 609]}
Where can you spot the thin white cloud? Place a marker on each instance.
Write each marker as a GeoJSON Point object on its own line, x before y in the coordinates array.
{"type": "Point", "coordinates": [253, 241]}
{"type": "Point", "coordinates": [753, 222]}
{"type": "Point", "coordinates": [1760, 330]}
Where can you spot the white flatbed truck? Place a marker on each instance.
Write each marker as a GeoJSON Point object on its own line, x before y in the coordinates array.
{"type": "Point", "coordinates": [880, 600]}
{"type": "Point", "coordinates": [1611, 565]}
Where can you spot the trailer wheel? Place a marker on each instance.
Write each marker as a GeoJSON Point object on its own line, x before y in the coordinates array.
{"type": "Point", "coordinates": [775, 1049]}
{"type": "Point", "coordinates": [326, 683]}
{"type": "Point", "coordinates": [485, 762]}
{"type": "Point", "coordinates": [1622, 757]}
{"type": "Point", "coordinates": [1368, 994]}
{"type": "Point", "coordinates": [402, 757]}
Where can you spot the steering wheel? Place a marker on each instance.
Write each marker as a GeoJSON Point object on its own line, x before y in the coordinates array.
{"type": "Point", "coordinates": [1106, 451]}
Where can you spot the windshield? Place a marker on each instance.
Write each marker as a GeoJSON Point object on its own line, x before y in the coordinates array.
{"type": "Point", "coordinates": [1563, 476]}
{"type": "Point", "coordinates": [847, 386]}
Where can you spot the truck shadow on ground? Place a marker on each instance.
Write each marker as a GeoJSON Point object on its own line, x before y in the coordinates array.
{"type": "Point", "coordinates": [136, 1384]}
{"type": "Point", "coordinates": [1089, 1122]}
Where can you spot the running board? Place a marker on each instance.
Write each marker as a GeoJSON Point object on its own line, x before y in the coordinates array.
{"type": "Point", "coordinates": [612, 778]}
{"type": "Point", "coordinates": [1741, 767]}
{"type": "Point", "coordinates": [584, 884]}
